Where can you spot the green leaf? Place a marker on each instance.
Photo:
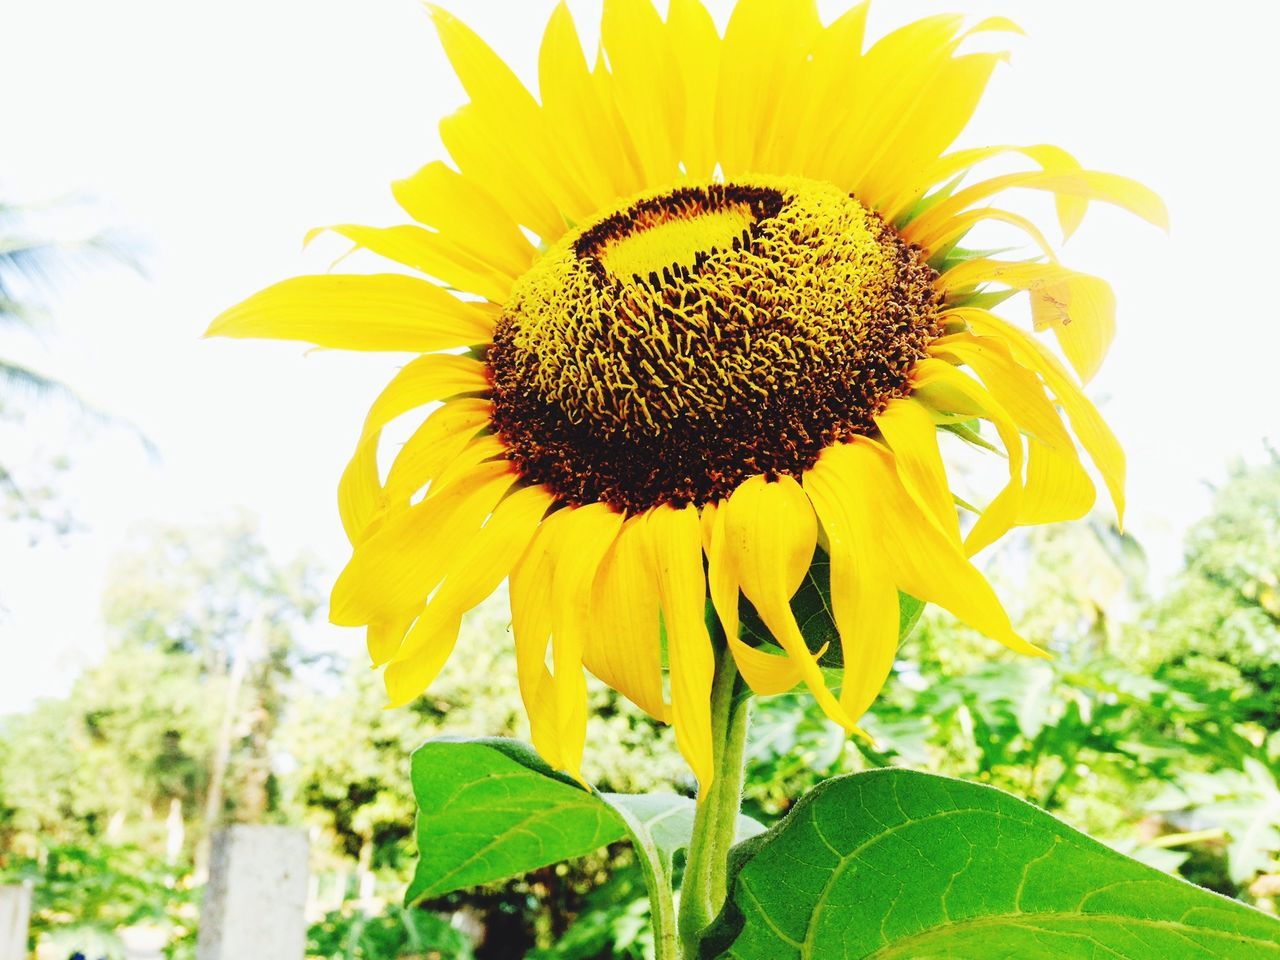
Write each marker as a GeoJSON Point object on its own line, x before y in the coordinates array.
{"type": "Point", "coordinates": [490, 809]}
{"type": "Point", "coordinates": [812, 607]}
{"type": "Point", "coordinates": [666, 820]}
{"type": "Point", "coordinates": [898, 865]}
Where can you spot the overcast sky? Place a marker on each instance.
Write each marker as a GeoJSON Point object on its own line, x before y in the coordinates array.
{"type": "Point", "coordinates": [219, 133]}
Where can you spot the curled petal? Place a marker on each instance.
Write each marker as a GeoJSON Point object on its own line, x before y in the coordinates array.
{"type": "Point", "coordinates": [771, 533]}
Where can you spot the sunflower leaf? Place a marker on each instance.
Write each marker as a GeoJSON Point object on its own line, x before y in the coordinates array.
{"type": "Point", "coordinates": [489, 809]}
{"type": "Point", "coordinates": [895, 864]}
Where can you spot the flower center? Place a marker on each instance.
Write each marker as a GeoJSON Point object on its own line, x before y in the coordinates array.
{"type": "Point", "coordinates": [700, 336]}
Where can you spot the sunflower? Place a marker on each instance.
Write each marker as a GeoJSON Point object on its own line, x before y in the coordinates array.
{"type": "Point", "coordinates": [694, 314]}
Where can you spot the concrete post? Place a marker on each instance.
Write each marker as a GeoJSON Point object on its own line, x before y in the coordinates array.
{"type": "Point", "coordinates": [15, 914]}
{"type": "Point", "coordinates": [255, 900]}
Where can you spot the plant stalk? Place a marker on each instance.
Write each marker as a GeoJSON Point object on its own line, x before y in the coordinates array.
{"type": "Point", "coordinates": [706, 871]}
{"type": "Point", "coordinates": [662, 910]}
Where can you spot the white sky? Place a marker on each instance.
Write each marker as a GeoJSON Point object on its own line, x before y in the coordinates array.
{"type": "Point", "coordinates": [218, 133]}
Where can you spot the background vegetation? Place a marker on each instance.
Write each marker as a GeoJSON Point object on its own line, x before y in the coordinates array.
{"type": "Point", "coordinates": [1155, 728]}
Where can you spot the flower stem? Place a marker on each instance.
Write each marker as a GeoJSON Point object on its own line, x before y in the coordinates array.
{"type": "Point", "coordinates": [705, 883]}
{"type": "Point", "coordinates": [658, 879]}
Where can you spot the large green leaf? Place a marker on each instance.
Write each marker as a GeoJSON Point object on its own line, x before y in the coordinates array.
{"type": "Point", "coordinates": [898, 865]}
{"type": "Point", "coordinates": [490, 809]}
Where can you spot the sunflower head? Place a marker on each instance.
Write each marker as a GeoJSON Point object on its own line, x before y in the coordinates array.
{"type": "Point", "coordinates": [695, 337]}
{"type": "Point", "coordinates": [689, 314]}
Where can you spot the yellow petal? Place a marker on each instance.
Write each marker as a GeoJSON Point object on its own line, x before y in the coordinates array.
{"type": "Point", "coordinates": [771, 533]}
{"type": "Point", "coordinates": [962, 223]}
{"type": "Point", "coordinates": [1015, 387]}
{"type": "Point", "coordinates": [864, 601]}
{"type": "Point", "coordinates": [425, 380]}
{"type": "Point", "coordinates": [431, 253]}
{"type": "Point", "coordinates": [435, 445]}
{"type": "Point", "coordinates": [624, 649]}
{"type": "Point", "coordinates": [910, 431]}
{"type": "Point", "coordinates": [646, 85]}
{"type": "Point", "coordinates": [834, 96]}
{"type": "Point", "coordinates": [722, 577]}
{"type": "Point", "coordinates": [488, 159]}
{"type": "Point", "coordinates": [1087, 424]}
{"type": "Point", "coordinates": [482, 563]}
{"type": "Point", "coordinates": [384, 636]}
{"type": "Point", "coordinates": [396, 568]}
{"type": "Point", "coordinates": [432, 638]}
{"type": "Point", "coordinates": [630, 172]}
{"type": "Point", "coordinates": [422, 381]}
{"type": "Point", "coordinates": [941, 108]}
{"type": "Point", "coordinates": [1071, 209]}
{"type": "Point", "coordinates": [920, 559]}
{"type": "Point", "coordinates": [505, 122]}
{"type": "Point", "coordinates": [1057, 487]}
{"type": "Point", "coordinates": [581, 128]}
{"type": "Point", "coordinates": [766, 673]}
{"type": "Point", "coordinates": [377, 312]}
{"type": "Point", "coordinates": [695, 45]}
{"type": "Point", "coordinates": [444, 199]}
{"type": "Point", "coordinates": [1080, 309]}
{"type": "Point", "coordinates": [939, 385]}
{"type": "Point", "coordinates": [932, 100]}
{"type": "Point", "coordinates": [897, 68]}
{"type": "Point", "coordinates": [942, 112]}
{"type": "Point", "coordinates": [707, 522]}
{"type": "Point", "coordinates": [585, 534]}
{"type": "Point", "coordinates": [1085, 184]}
{"type": "Point", "coordinates": [531, 581]}
{"type": "Point", "coordinates": [761, 71]}
{"type": "Point", "coordinates": [674, 540]}
{"type": "Point", "coordinates": [486, 559]}
{"type": "Point", "coordinates": [480, 449]}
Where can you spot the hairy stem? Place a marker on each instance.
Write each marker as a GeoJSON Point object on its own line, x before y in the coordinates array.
{"type": "Point", "coordinates": [662, 911]}
{"type": "Point", "coordinates": [706, 871]}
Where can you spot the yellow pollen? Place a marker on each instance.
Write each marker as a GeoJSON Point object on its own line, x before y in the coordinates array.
{"type": "Point", "coordinates": [674, 241]}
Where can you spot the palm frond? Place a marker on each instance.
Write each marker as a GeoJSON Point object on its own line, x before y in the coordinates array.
{"type": "Point", "coordinates": [34, 263]}
{"type": "Point", "coordinates": [19, 381]}
{"type": "Point", "coordinates": [24, 385]}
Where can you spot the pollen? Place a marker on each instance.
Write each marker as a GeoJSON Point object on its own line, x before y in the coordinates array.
{"type": "Point", "coordinates": [697, 337]}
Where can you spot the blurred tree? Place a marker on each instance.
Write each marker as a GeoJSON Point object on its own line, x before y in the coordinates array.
{"type": "Point", "coordinates": [350, 760]}
{"type": "Point", "coordinates": [95, 786]}
{"type": "Point", "coordinates": [213, 598]}
{"type": "Point", "coordinates": [1226, 601]}
{"type": "Point", "coordinates": [130, 754]}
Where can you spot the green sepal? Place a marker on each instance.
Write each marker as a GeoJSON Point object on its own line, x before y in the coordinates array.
{"type": "Point", "coordinates": [931, 200]}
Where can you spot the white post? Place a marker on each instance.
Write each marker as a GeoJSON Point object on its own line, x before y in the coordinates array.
{"type": "Point", "coordinates": [254, 903]}
{"type": "Point", "coordinates": [15, 913]}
